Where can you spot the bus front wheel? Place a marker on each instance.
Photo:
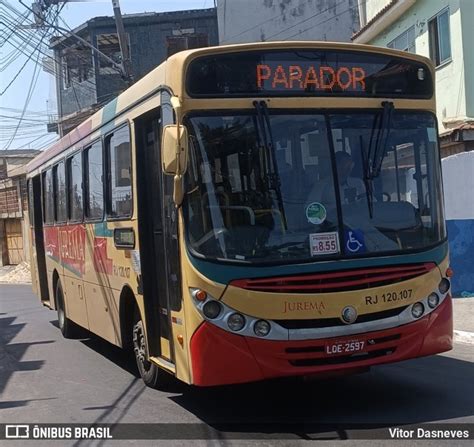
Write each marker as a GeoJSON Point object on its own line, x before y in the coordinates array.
{"type": "Point", "coordinates": [152, 375]}
{"type": "Point", "coordinates": [66, 326]}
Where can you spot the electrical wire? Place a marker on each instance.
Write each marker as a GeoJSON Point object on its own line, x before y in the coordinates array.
{"type": "Point", "coordinates": [31, 89]}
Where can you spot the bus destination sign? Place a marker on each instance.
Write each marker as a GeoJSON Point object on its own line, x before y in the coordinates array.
{"type": "Point", "coordinates": [308, 72]}
{"type": "Point", "coordinates": [310, 77]}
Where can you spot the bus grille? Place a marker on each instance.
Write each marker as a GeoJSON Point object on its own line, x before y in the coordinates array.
{"type": "Point", "coordinates": [339, 281]}
{"type": "Point", "coordinates": [331, 322]}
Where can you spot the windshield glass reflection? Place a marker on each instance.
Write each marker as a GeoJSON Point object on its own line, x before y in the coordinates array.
{"type": "Point", "coordinates": [303, 193]}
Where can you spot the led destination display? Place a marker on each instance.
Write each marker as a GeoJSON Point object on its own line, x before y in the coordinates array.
{"type": "Point", "coordinates": [308, 73]}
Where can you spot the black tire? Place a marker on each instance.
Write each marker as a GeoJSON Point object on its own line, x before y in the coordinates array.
{"type": "Point", "coordinates": [151, 374]}
{"type": "Point", "coordinates": [66, 326]}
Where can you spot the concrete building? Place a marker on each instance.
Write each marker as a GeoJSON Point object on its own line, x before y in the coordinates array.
{"type": "Point", "coordinates": [86, 81]}
{"type": "Point", "coordinates": [442, 30]}
{"type": "Point", "coordinates": [268, 20]}
{"type": "Point", "coordinates": [14, 235]}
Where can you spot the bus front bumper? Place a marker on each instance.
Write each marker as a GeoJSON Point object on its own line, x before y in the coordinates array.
{"type": "Point", "coordinates": [220, 357]}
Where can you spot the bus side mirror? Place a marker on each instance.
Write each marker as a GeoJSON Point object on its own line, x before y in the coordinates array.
{"type": "Point", "coordinates": [174, 152]}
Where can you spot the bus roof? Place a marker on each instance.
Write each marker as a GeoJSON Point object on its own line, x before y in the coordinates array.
{"type": "Point", "coordinates": [170, 73]}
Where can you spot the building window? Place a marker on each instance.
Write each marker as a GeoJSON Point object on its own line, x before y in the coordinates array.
{"type": "Point", "coordinates": [119, 171]}
{"type": "Point", "coordinates": [440, 41]}
{"type": "Point", "coordinates": [76, 66]}
{"type": "Point", "coordinates": [59, 181]}
{"type": "Point", "coordinates": [180, 43]}
{"type": "Point", "coordinates": [94, 181]}
{"type": "Point", "coordinates": [405, 41]}
{"type": "Point", "coordinates": [109, 45]}
{"type": "Point", "coordinates": [48, 197]}
{"type": "Point", "coordinates": [74, 171]}
{"type": "Point", "coordinates": [3, 169]}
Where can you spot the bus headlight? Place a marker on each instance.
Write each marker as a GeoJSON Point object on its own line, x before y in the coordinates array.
{"type": "Point", "coordinates": [433, 300]}
{"type": "Point", "coordinates": [261, 328]}
{"type": "Point", "coordinates": [444, 285]}
{"type": "Point", "coordinates": [236, 322]}
{"type": "Point", "coordinates": [211, 309]}
{"type": "Point", "coordinates": [417, 310]}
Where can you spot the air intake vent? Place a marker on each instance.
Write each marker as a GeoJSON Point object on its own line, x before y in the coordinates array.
{"type": "Point", "coordinates": [335, 281]}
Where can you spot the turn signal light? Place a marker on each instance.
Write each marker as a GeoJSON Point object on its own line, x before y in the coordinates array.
{"type": "Point", "coordinates": [449, 272]}
{"type": "Point", "coordinates": [200, 295]}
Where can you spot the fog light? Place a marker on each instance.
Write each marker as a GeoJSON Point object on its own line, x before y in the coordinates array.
{"type": "Point", "coordinates": [236, 322]}
{"type": "Point", "coordinates": [444, 285]}
{"type": "Point", "coordinates": [433, 300]}
{"type": "Point", "coordinates": [261, 328]}
{"type": "Point", "coordinates": [211, 309]}
{"type": "Point", "coordinates": [417, 310]}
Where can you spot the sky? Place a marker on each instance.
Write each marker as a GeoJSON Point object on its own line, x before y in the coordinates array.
{"type": "Point", "coordinates": [43, 100]}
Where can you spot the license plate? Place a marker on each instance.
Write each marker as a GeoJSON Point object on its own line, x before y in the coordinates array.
{"type": "Point", "coordinates": [345, 347]}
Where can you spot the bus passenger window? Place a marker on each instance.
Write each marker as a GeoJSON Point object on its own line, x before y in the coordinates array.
{"type": "Point", "coordinates": [119, 174]}
{"type": "Point", "coordinates": [74, 166]}
{"type": "Point", "coordinates": [59, 180]}
{"type": "Point", "coordinates": [94, 184]}
{"type": "Point", "coordinates": [48, 197]}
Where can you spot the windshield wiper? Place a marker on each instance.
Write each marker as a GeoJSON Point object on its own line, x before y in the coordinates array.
{"type": "Point", "coordinates": [380, 146]}
{"type": "Point", "coordinates": [367, 179]}
{"type": "Point", "coordinates": [265, 138]}
{"type": "Point", "coordinates": [372, 158]}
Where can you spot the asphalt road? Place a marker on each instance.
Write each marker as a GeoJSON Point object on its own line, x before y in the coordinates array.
{"type": "Point", "coordinates": [47, 379]}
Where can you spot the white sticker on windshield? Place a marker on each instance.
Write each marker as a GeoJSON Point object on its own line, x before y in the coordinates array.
{"type": "Point", "coordinates": [324, 243]}
{"type": "Point", "coordinates": [432, 136]}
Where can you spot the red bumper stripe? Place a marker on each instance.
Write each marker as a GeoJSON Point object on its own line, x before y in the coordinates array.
{"type": "Point", "coordinates": [220, 357]}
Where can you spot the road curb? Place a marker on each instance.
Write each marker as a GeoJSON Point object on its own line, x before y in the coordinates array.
{"type": "Point", "coordinates": [464, 337]}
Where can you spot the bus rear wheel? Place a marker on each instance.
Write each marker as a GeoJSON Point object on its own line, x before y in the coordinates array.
{"type": "Point", "coordinates": [66, 326]}
{"type": "Point", "coordinates": [152, 375]}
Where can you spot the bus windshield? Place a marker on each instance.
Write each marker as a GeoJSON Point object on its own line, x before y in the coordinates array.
{"type": "Point", "coordinates": [302, 187]}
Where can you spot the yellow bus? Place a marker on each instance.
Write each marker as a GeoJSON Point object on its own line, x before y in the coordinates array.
{"type": "Point", "coordinates": [252, 211]}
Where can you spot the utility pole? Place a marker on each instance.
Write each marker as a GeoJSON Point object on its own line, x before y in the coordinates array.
{"type": "Point", "coordinates": [123, 41]}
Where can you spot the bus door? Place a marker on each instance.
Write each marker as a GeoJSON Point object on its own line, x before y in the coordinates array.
{"type": "Point", "coordinates": [158, 236]}
{"type": "Point", "coordinates": [39, 252]}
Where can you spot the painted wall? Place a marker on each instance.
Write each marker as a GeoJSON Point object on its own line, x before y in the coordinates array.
{"type": "Point", "coordinates": [262, 20]}
{"type": "Point", "coordinates": [467, 19]}
{"type": "Point", "coordinates": [458, 180]}
{"type": "Point", "coordinates": [454, 78]}
{"type": "Point", "coordinates": [373, 7]}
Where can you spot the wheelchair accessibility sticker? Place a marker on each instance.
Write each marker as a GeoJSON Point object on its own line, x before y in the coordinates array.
{"type": "Point", "coordinates": [354, 240]}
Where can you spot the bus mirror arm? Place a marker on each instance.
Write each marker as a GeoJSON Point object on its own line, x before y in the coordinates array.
{"type": "Point", "coordinates": [178, 190]}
